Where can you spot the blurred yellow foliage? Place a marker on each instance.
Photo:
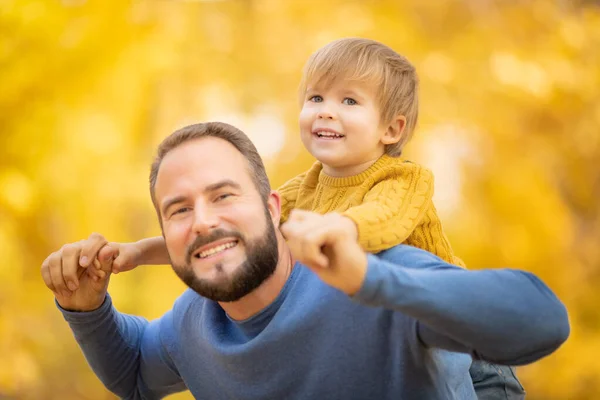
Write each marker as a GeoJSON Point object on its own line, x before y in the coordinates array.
{"type": "Point", "coordinates": [510, 117]}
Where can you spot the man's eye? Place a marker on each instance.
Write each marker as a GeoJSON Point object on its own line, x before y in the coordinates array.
{"type": "Point", "coordinates": [223, 196]}
{"type": "Point", "coordinates": [181, 210]}
{"type": "Point", "coordinates": [349, 101]}
{"type": "Point", "coordinates": [316, 99]}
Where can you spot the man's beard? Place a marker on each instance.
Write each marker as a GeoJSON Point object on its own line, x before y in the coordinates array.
{"type": "Point", "coordinates": [261, 260]}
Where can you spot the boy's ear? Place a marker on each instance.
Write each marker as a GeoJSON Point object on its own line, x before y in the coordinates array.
{"type": "Point", "coordinates": [394, 131]}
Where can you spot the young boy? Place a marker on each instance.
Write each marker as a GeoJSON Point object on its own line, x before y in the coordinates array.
{"type": "Point", "coordinates": [359, 109]}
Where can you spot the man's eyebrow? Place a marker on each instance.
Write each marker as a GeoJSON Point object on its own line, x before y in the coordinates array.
{"type": "Point", "coordinates": [210, 188]}
{"type": "Point", "coordinates": [222, 184]}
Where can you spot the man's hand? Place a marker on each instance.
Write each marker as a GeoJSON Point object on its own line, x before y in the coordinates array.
{"type": "Point", "coordinates": [77, 287]}
{"type": "Point", "coordinates": [327, 244]}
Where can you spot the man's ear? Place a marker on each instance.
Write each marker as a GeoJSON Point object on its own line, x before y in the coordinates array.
{"type": "Point", "coordinates": [274, 205]}
{"type": "Point", "coordinates": [394, 131]}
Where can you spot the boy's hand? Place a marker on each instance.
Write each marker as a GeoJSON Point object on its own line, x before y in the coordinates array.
{"type": "Point", "coordinates": [127, 257]}
{"type": "Point", "coordinates": [327, 244]}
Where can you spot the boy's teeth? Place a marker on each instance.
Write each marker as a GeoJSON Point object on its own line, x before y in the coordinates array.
{"type": "Point", "coordinates": [328, 134]}
{"type": "Point", "coordinates": [217, 249]}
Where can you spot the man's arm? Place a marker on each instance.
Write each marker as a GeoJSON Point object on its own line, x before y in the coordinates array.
{"type": "Point", "coordinates": [504, 316]}
{"type": "Point", "coordinates": [126, 352]}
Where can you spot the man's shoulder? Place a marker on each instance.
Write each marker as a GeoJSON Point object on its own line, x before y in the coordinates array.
{"type": "Point", "coordinates": [185, 302]}
{"type": "Point", "coordinates": [412, 257]}
{"type": "Point", "coordinates": [172, 322]}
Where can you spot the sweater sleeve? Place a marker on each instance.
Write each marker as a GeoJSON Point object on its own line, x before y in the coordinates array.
{"type": "Point", "coordinates": [289, 194]}
{"type": "Point", "coordinates": [126, 352]}
{"type": "Point", "coordinates": [393, 208]}
{"type": "Point", "coordinates": [504, 316]}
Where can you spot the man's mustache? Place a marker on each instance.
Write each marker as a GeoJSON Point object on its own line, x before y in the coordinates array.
{"type": "Point", "coordinates": [215, 235]}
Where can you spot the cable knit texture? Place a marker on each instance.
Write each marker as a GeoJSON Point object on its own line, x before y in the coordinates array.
{"type": "Point", "coordinates": [391, 203]}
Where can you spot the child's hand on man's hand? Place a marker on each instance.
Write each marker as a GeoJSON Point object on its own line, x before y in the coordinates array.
{"type": "Point", "coordinates": [126, 257]}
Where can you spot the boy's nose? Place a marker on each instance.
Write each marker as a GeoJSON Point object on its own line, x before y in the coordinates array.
{"type": "Point", "coordinates": [325, 113]}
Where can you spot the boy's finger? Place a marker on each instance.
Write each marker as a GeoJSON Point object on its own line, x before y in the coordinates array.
{"type": "Point", "coordinates": [106, 257]}
{"type": "Point", "coordinates": [90, 248]}
{"type": "Point", "coordinates": [108, 253]}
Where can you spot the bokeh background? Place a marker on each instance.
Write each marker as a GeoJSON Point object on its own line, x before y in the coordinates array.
{"type": "Point", "coordinates": [510, 117]}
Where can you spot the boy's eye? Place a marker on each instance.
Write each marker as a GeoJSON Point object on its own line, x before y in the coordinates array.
{"type": "Point", "coordinates": [349, 101]}
{"type": "Point", "coordinates": [316, 99]}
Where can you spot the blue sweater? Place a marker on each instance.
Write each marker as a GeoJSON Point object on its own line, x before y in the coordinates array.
{"type": "Point", "coordinates": [410, 333]}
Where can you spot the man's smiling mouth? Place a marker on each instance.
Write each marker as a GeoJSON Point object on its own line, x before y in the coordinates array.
{"type": "Point", "coordinates": [215, 250]}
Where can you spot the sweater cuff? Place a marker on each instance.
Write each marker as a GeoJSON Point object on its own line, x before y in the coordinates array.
{"type": "Point", "coordinates": [370, 287]}
{"type": "Point", "coordinates": [85, 317]}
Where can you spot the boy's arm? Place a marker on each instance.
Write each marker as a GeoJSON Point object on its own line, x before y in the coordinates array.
{"type": "Point", "coordinates": [393, 208]}
{"type": "Point", "coordinates": [289, 194]}
{"type": "Point", "coordinates": [150, 251]}
{"type": "Point", "coordinates": [153, 251]}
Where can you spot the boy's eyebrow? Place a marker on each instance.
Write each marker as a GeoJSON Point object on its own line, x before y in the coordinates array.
{"type": "Point", "coordinates": [210, 188]}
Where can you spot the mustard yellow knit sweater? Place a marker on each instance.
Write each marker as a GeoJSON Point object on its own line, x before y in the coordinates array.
{"type": "Point", "coordinates": [390, 202]}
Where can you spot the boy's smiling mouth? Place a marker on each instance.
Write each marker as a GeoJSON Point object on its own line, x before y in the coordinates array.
{"type": "Point", "coordinates": [328, 134]}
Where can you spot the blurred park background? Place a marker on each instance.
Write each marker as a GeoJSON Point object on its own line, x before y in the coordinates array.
{"type": "Point", "coordinates": [510, 117]}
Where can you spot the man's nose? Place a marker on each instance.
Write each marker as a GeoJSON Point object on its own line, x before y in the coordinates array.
{"type": "Point", "coordinates": [205, 220]}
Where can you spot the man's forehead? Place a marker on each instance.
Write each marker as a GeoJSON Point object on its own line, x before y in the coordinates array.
{"type": "Point", "coordinates": [208, 159]}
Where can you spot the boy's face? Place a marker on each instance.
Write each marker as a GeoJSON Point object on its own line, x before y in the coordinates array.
{"type": "Point", "coordinates": [340, 126]}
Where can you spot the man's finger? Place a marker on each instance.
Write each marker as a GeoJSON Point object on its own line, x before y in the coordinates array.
{"type": "Point", "coordinates": [56, 275]}
{"type": "Point", "coordinates": [312, 244]}
{"type": "Point", "coordinates": [305, 239]}
{"type": "Point", "coordinates": [299, 215]}
{"type": "Point", "coordinates": [90, 248]}
{"type": "Point", "coordinates": [45, 270]}
{"type": "Point", "coordinates": [70, 265]}
{"type": "Point", "coordinates": [96, 273]}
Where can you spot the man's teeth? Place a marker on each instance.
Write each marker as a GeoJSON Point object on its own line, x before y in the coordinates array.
{"type": "Point", "coordinates": [216, 250]}
{"type": "Point", "coordinates": [329, 134]}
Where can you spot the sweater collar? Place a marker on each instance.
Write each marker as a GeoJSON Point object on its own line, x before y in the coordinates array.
{"type": "Point", "coordinates": [355, 180]}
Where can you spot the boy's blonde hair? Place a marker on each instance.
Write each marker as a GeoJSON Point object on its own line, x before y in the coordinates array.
{"type": "Point", "coordinates": [393, 76]}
